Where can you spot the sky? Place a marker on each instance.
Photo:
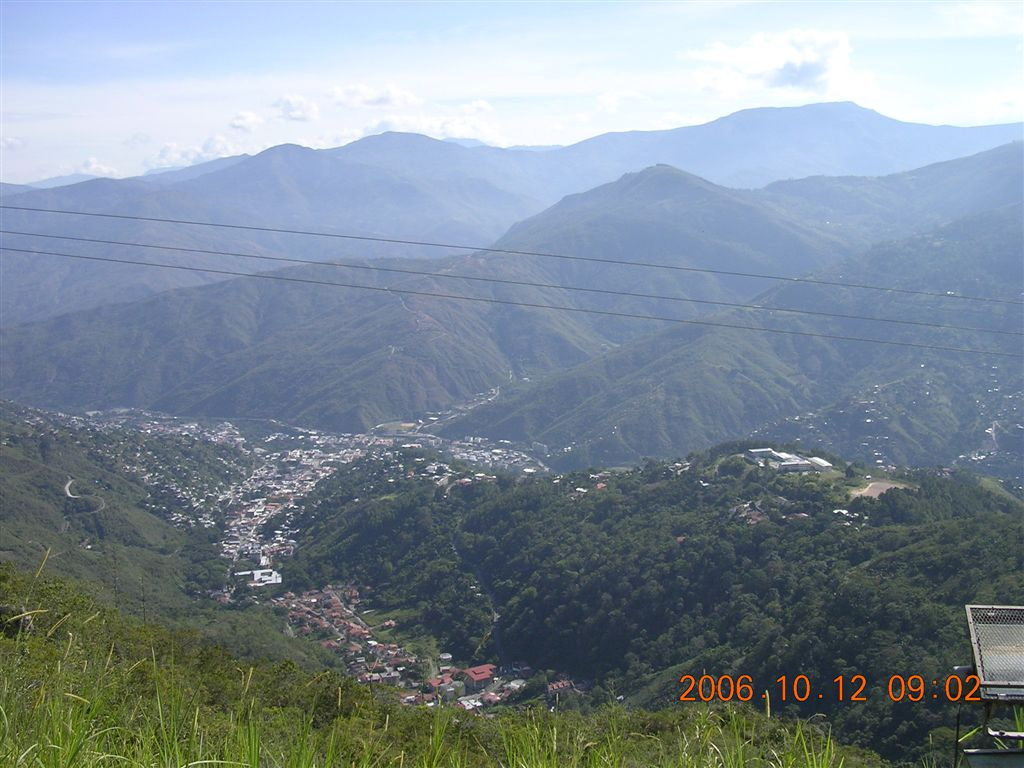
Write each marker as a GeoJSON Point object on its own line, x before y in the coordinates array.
{"type": "Point", "coordinates": [120, 88]}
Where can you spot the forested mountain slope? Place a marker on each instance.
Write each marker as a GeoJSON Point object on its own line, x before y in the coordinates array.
{"type": "Point", "coordinates": [365, 357]}
{"type": "Point", "coordinates": [96, 507]}
{"type": "Point", "coordinates": [632, 579]}
{"type": "Point", "coordinates": [78, 668]}
{"type": "Point", "coordinates": [688, 387]}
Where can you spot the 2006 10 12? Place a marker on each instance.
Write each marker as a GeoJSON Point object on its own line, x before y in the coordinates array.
{"type": "Point", "coordinates": [741, 688]}
{"type": "Point", "coordinates": [852, 688]}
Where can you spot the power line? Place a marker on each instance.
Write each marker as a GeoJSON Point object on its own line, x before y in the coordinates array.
{"type": "Point", "coordinates": [488, 300]}
{"type": "Point", "coordinates": [513, 252]}
{"type": "Point", "coordinates": [522, 283]}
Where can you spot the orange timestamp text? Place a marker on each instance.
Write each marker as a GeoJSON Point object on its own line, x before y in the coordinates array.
{"type": "Point", "coordinates": [841, 688]}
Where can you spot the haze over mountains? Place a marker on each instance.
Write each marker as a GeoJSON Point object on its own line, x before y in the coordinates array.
{"type": "Point", "coordinates": [413, 187]}
{"type": "Point", "coordinates": [607, 387]}
{"type": "Point", "coordinates": [696, 387]}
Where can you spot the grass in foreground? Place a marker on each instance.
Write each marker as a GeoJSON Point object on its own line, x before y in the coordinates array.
{"type": "Point", "coordinates": [82, 686]}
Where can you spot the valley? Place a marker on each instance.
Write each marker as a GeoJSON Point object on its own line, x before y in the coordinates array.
{"type": "Point", "coordinates": [444, 580]}
{"type": "Point", "coordinates": [652, 424]}
{"type": "Point", "coordinates": [595, 376]}
{"type": "Point", "coordinates": [433, 384]}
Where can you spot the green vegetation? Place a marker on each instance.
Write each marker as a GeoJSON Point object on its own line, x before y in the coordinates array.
{"type": "Point", "coordinates": [603, 386]}
{"type": "Point", "coordinates": [624, 580]}
{"type": "Point", "coordinates": [82, 686]}
{"type": "Point", "coordinates": [684, 388]}
{"type": "Point", "coordinates": [627, 581]}
{"type": "Point", "coordinates": [375, 527]}
{"type": "Point", "coordinates": [632, 579]}
{"type": "Point", "coordinates": [116, 537]}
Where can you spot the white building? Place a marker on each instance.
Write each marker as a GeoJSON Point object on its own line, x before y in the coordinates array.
{"type": "Point", "coordinates": [261, 577]}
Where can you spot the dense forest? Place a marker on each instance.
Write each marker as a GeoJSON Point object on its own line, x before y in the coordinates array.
{"type": "Point", "coordinates": [633, 579]}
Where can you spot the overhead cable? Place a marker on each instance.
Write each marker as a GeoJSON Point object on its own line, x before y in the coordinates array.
{"type": "Point", "coordinates": [511, 251]}
{"type": "Point", "coordinates": [507, 302]}
{"type": "Point", "coordinates": [522, 283]}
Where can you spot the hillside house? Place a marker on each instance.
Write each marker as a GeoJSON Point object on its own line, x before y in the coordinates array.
{"type": "Point", "coordinates": [479, 677]}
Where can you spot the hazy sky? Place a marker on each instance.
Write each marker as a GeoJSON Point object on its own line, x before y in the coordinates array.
{"type": "Point", "coordinates": [117, 88]}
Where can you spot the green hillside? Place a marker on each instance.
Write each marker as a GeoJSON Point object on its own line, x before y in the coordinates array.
{"type": "Point", "coordinates": [414, 187]}
{"type": "Point", "coordinates": [104, 535]}
{"type": "Point", "coordinates": [632, 579]}
{"type": "Point", "coordinates": [81, 685]}
{"type": "Point", "coordinates": [625, 581]}
{"type": "Point", "coordinates": [113, 534]}
{"type": "Point", "coordinates": [687, 388]}
{"type": "Point", "coordinates": [901, 203]}
{"type": "Point", "coordinates": [287, 186]}
{"type": "Point", "coordinates": [662, 215]}
{"type": "Point", "coordinates": [336, 358]}
{"type": "Point", "coordinates": [234, 349]}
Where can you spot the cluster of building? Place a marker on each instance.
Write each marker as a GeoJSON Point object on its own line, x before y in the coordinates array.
{"type": "Point", "coordinates": [287, 467]}
{"type": "Point", "coordinates": [333, 616]}
{"type": "Point", "coordinates": [471, 688]}
{"type": "Point", "coordinates": [478, 450]}
{"type": "Point", "coordinates": [257, 490]}
{"type": "Point", "coordinates": [186, 492]}
{"type": "Point", "coordinates": [259, 511]}
{"type": "Point", "coordinates": [782, 461]}
{"type": "Point", "coordinates": [256, 498]}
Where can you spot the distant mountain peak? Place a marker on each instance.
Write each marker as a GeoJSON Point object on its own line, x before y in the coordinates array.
{"type": "Point", "coordinates": [662, 180]}
{"type": "Point", "coordinates": [399, 137]}
{"type": "Point", "coordinates": [284, 149]}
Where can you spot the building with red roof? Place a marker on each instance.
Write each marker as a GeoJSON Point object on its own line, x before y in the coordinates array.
{"type": "Point", "coordinates": [478, 677]}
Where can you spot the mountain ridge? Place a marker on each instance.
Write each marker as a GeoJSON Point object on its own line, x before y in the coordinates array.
{"type": "Point", "coordinates": [371, 357]}
{"type": "Point", "coordinates": [418, 188]}
{"type": "Point", "coordinates": [660, 394]}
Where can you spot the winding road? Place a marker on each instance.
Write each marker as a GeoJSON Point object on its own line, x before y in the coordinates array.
{"type": "Point", "coordinates": [70, 495]}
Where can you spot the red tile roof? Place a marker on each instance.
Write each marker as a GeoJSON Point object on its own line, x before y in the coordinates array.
{"type": "Point", "coordinates": [480, 673]}
{"type": "Point", "coordinates": [437, 682]}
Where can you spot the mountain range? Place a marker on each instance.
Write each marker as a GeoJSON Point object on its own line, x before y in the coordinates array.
{"type": "Point", "coordinates": [350, 344]}
{"type": "Point", "coordinates": [686, 388]}
{"type": "Point", "coordinates": [412, 187]}
{"type": "Point", "coordinates": [821, 280]}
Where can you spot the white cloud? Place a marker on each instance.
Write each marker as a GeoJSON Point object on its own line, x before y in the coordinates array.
{"type": "Point", "coordinates": [462, 126]}
{"type": "Point", "coordinates": [246, 121]}
{"type": "Point", "coordinates": [12, 142]}
{"type": "Point", "coordinates": [361, 95]}
{"type": "Point", "coordinates": [173, 155]}
{"type": "Point", "coordinates": [94, 167]}
{"type": "Point", "coordinates": [477, 107]}
{"type": "Point", "coordinates": [298, 108]}
{"type": "Point", "coordinates": [137, 140]}
{"type": "Point", "coordinates": [556, 81]}
{"type": "Point", "coordinates": [611, 101]}
{"type": "Point", "coordinates": [805, 60]}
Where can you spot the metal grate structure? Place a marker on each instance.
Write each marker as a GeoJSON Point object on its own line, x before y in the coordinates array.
{"type": "Point", "coordinates": [997, 637]}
